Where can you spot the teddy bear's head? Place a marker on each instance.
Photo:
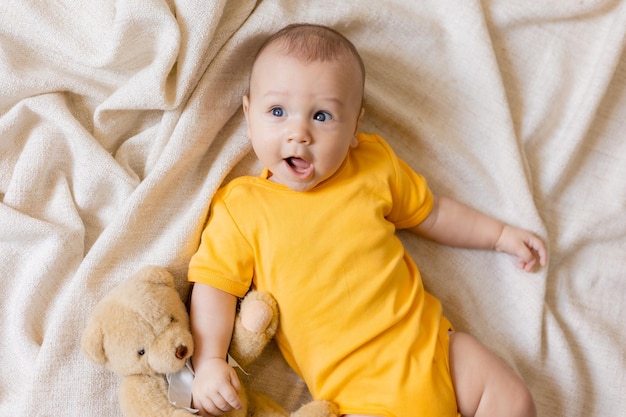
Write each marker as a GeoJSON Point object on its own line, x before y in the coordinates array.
{"type": "Point", "coordinates": [140, 327]}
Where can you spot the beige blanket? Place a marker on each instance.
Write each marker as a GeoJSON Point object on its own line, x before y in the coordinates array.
{"type": "Point", "coordinates": [118, 121]}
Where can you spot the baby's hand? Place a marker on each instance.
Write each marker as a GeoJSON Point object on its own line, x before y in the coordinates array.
{"type": "Point", "coordinates": [524, 245]}
{"type": "Point", "coordinates": [215, 388]}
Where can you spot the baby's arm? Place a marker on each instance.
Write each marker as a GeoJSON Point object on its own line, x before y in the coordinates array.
{"type": "Point", "coordinates": [455, 224]}
{"type": "Point", "coordinates": [216, 385]}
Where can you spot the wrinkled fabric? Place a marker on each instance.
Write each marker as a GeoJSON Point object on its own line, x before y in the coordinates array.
{"type": "Point", "coordinates": [119, 120]}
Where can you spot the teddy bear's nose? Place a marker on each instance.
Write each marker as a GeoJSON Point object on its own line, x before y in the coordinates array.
{"type": "Point", "coordinates": [181, 351]}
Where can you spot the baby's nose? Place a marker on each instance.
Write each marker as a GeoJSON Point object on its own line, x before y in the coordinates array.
{"type": "Point", "coordinates": [299, 133]}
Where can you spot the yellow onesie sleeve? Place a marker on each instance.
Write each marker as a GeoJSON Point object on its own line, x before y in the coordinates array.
{"type": "Point", "coordinates": [412, 198]}
{"type": "Point", "coordinates": [224, 259]}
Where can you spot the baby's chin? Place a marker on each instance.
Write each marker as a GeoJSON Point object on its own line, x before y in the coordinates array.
{"type": "Point", "coordinates": [301, 186]}
{"type": "Point", "coordinates": [298, 186]}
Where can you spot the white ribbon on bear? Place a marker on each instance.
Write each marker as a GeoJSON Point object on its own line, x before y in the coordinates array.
{"type": "Point", "coordinates": [179, 390]}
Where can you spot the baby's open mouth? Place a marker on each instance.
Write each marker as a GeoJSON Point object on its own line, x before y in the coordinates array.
{"type": "Point", "coordinates": [299, 165]}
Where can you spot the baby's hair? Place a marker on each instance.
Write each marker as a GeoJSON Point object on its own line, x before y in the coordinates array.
{"type": "Point", "coordinates": [310, 42]}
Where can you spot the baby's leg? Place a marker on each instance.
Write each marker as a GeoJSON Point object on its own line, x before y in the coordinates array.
{"type": "Point", "coordinates": [484, 385]}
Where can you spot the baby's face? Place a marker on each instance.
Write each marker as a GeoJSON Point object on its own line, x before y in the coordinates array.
{"type": "Point", "coordinates": [302, 117]}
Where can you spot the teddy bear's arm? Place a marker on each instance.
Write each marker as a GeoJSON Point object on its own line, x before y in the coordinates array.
{"type": "Point", "coordinates": [255, 325]}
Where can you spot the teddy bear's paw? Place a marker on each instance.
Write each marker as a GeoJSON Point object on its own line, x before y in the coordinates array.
{"type": "Point", "coordinates": [317, 409]}
{"type": "Point", "coordinates": [259, 313]}
{"type": "Point", "coordinates": [256, 316]}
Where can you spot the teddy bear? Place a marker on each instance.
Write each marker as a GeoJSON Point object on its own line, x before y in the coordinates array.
{"type": "Point", "coordinates": [140, 331]}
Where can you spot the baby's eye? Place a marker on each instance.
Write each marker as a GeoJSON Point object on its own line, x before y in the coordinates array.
{"type": "Point", "coordinates": [277, 112]}
{"type": "Point", "coordinates": [322, 116]}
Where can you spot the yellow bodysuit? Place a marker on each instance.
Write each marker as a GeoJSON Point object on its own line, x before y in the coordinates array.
{"type": "Point", "coordinates": [356, 322]}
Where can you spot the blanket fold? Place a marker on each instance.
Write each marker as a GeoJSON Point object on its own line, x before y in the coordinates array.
{"type": "Point", "coordinates": [119, 120]}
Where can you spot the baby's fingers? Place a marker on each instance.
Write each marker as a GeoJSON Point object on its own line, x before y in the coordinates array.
{"type": "Point", "coordinates": [231, 396]}
{"type": "Point", "coordinates": [537, 249]}
{"type": "Point", "coordinates": [527, 265]}
{"type": "Point", "coordinates": [229, 401]}
{"type": "Point", "coordinates": [215, 398]}
{"type": "Point", "coordinates": [225, 401]}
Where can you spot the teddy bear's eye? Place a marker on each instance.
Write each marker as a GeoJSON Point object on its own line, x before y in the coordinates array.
{"type": "Point", "coordinates": [172, 319]}
{"type": "Point", "coordinates": [141, 352]}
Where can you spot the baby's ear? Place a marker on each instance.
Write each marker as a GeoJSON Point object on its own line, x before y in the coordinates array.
{"type": "Point", "coordinates": [245, 100]}
{"type": "Point", "coordinates": [357, 128]}
{"type": "Point", "coordinates": [92, 343]}
{"type": "Point", "coordinates": [245, 104]}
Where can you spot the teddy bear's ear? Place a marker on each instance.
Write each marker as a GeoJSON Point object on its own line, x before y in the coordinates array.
{"type": "Point", "coordinates": [92, 343]}
{"type": "Point", "coordinates": [155, 275]}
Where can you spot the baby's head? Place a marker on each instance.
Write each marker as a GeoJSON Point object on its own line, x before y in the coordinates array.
{"type": "Point", "coordinates": [305, 104]}
{"type": "Point", "coordinates": [309, 43]}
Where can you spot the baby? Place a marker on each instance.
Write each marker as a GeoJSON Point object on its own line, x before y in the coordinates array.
{"type": "Point", "coordinates": [317, 230]}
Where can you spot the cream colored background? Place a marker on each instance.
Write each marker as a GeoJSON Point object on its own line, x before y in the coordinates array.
{"type": "Point", "coordinates": [118, 120]}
